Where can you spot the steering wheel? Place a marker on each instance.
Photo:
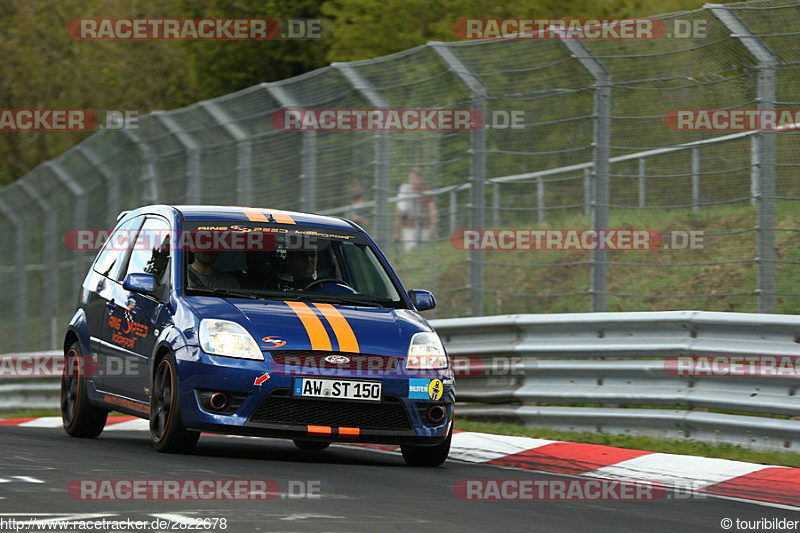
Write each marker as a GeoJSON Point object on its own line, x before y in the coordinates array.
{"type": "Point", "coordinates": [324, 281]}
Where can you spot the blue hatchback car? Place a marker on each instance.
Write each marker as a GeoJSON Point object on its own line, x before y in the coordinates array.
{"type": "Point", "coordinates": [259, 322]}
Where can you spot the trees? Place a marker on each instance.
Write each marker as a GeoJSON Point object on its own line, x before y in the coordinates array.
{"type": "Point", "coordinates": [44, 68]}
{"type": "Point", "coordinates": [371, 28]}
{"type": "Point", "coordinates": [221, 67]}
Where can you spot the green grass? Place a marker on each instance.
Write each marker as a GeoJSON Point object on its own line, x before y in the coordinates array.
{"type": "Point", "coordinates": [659, 280]}
{"type": "Point", "coordinates": [664, 407]}
{"type": "Point", "coordinates": [701, 449]}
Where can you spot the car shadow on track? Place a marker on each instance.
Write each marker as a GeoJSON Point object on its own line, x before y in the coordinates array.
{"type": "Point", "coordinates": [266, 449]}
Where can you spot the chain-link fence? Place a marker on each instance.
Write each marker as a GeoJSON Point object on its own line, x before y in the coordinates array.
{"type": "Point", "coordinates": [594, 152]}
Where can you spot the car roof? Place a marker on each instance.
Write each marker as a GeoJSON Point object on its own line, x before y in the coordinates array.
{"type": "Point", "coordinates": [259, 214]}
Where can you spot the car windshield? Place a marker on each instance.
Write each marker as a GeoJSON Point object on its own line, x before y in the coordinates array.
{"type": "Point", "coordinates": [285, 262]}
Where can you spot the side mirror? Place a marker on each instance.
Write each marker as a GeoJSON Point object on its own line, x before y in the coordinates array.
{"type": "Point", "coordinates": [141, 283]}
{"type": "Point", "coordinates": [422, 300]}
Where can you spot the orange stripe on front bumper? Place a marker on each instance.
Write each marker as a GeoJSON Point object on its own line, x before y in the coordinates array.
{"type": "Point", "coordinates": [349, 432]}
{"type": "Point", "coordinates": [316, 331]}
{"type": "Point", "coordinates": [344, 333]}
{"type": "Point", "coordinates": [319, 431]}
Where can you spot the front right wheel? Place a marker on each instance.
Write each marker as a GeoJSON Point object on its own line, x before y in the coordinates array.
{"type": "Point", "coordinates": [428, 455]}
{"type": "Point", "coordinates": [167, 431]}
{"type": "Point", "coordinates": [311, 445]}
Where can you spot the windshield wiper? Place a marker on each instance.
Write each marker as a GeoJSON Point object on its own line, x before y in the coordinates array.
{"type": "Point", "coordinates": [227, 292]}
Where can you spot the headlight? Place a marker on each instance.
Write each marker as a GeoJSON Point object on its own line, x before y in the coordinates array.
{"type": "Point", "coordinates": [223, 337]}
{"type": "Point", "coordinates": [426, 352]}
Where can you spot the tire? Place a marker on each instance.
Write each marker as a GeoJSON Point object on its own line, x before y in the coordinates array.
{"type": "Point", "coordinates": [428, 455]}
{"type": "Point", "coordinates": [80, 418]}
{"type": "Point", "coordinates": [311, 445]}
{"type": "Point", "coordinates": [167, 431]}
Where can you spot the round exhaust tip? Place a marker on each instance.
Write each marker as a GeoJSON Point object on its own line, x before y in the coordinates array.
{"type": "Point", "coordinates": [218, 401]}
{"type": "Point", "coordinates": [437, 414]}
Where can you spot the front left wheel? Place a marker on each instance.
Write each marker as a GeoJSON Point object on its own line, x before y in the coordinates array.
{"type": "Point", "coordinates": [167, 431]}
{"type": "Point", "coordinates": [80, 418]}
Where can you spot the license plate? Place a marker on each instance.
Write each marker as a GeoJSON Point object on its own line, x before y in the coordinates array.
{"type": "Point", "coordinates": [339, 389]}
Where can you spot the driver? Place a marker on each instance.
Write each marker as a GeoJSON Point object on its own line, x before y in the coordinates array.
{"type": "Point", "coordinates": [301, 270]}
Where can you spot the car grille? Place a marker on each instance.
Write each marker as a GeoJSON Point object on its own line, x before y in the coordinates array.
{"type": "Point", "coordinates": [280, 408]}
{"type": "Point", "coordinates": [316, 359]}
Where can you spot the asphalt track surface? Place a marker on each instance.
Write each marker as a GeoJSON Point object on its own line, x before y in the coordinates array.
{"type": "Point", "coordinates": [359, 489]}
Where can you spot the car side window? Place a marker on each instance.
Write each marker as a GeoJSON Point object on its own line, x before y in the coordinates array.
{"type": "Point", "coordinates": [151, 250]}
{"type": "Point", "coordinates": [115, 249]}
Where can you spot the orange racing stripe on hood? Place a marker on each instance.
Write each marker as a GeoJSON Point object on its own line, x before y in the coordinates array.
{"type": "Point", "coordinates": [316, 331]}
{"type": "Point", "coordinates": [344, 333]}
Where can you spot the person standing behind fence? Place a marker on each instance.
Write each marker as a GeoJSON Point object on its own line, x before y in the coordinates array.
{"type": "Point", "coordinates": [416, 212]}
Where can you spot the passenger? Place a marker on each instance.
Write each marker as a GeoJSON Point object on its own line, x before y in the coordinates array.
{"type": "Point", "coordinates": [201, 273]}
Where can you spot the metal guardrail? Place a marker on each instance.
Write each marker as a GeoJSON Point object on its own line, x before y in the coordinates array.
{"type": "Point", "coordinates": [619, 359]}
{"type": "Point", "coordinates": [512, 363]}
{"type": "Point", "coordinates": [28, 388]}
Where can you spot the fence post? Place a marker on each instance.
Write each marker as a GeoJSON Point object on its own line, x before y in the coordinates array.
{"type": "Point", "coordinates": [477, 167]}
{"type": "Point", "coordinates": [194, 185]}
{"type": "Point", "coordinates": [695, 179]}
{"type": "Point", "coordinates": [453, 210]}
{"type": "Point", "coordinates": [49, 277]}
{"type": "Point", "coordinates": [496, 205]}
{"type": "Point", "coordinates": [309, 171]}
{"type": "Point", "coordinates": [21, 299]}
{"type": "Point", "coordinates": [244, 151]}
{"type": "Point", "coordinates": [540, 211]}
{"type": "Point", "coordinates": [80, 210]}
{"type": "Point", "coordinates": [642, 182]}
{"type": "Point", "coordinates": [381, 171]}
{"type": "Point", "coordinates": [587, 190]}
{"type": "Point", "coordinates": [112, 182]}
{"type": "Point", "coordinates": [602, 153]}
{"type": "Point", "coordinates": [308, 152]}
{"type": "Point", "coordinates": [763, 155]}
{"type": "Point", "coordinates": [150, 176]}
